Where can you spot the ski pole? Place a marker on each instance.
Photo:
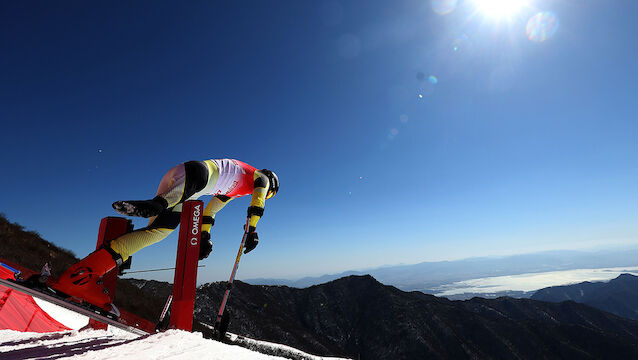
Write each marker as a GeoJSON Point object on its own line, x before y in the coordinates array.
{"type": "Point", "coordinates": [161, 324]}
{"type": "Point", "coordinates": [220, 314]}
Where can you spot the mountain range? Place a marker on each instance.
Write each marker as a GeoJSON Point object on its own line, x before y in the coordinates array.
{"type": "Point", "coordinates": [618, 296]}
{"type": "Point", "coordinates": [360, 318]}
{"type": "Point", "coordinates": [429, 276]}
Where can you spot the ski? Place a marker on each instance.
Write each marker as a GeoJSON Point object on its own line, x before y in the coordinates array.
{"type": "Point", "coordinates": [99, 315]}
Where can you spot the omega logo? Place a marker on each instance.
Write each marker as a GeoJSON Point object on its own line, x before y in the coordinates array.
{"type": "Point", "coordinates": [195, 229]}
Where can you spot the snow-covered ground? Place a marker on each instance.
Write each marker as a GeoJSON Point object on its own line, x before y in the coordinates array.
{"type": "Point", "coordinates": [105, 344]}
{"type": "Point", "coordinates": [114, 343]}
{"type": "Point", "coordinates": [65, 316]}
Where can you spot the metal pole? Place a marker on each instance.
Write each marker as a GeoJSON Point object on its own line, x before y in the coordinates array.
{"type": "Point", "coordinates": [165, 269]}
{"type": "Point", "coordinates": [220, 314]}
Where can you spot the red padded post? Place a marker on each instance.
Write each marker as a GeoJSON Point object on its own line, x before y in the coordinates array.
{"type": "Point", "coordinates": [186, 265]}
{"type": "Point", "coordinates": [110, 228]}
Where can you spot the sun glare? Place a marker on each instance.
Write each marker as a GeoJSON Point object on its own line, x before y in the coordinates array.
{"type": "Point", "coordinates": [499, 8]}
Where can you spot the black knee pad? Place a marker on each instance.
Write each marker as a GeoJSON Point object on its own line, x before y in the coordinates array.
{"type": "Point", "coordinates": [168, 219]}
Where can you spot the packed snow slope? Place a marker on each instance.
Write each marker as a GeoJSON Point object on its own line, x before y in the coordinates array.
{"type": "Point", "coordinates": [113, 343]}
{"type": "Point", "coordinates": [109, 344]}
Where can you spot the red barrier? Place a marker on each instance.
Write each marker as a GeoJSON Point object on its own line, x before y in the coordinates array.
{"type": "Point", "coordinates": [186, 265]}
{"type": "Point", "coordinates": [110, 228]}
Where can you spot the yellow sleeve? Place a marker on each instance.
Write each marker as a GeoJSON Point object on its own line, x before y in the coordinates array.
{"type": "Point", "coordinates": [258, 201]}
{"type": "Point", "coordinates": [214, 205]}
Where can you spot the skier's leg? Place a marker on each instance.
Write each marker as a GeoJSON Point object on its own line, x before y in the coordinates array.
{"type": "Point", "coordinates": [177, 185]}
{"type": "Point", "coordinates": [171, 188]}
{"type": "Point", "coordinates": [169, 193]}
{"type": "Point", "coordinates": [159, 228]}
{"type": "Point", "coordinates": [81, 279]}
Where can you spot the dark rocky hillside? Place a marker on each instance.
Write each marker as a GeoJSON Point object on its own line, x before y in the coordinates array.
{"type": "Point", "coordinates": [618, 296]}
{"type": "Point", "coordinates": [28, 249]}
{"type": "Point", "coordinates": [358, 317]}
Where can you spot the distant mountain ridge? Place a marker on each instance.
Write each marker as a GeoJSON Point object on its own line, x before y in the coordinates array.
{"type": "Point", "coordinates": [428, 276]}
{"type": "Point", "coordinates": [358, 317]}
{"type": "Point", "coordinates": [618, 296]}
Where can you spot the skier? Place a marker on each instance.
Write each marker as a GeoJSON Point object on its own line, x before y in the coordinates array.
{"type": "Point", "coordinates": [225, 179]}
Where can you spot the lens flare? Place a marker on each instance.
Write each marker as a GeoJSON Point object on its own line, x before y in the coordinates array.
{"type": "Point", "coordinates": [433, 80]}
{"type": "Point", "coordinates": [393, 133]}
{"type": "Point", "coordinates": [443, 7]}
{"type": "Point", "coordinates": [542, 26]}
{"type": "Point", "coordinates": [459, 43]}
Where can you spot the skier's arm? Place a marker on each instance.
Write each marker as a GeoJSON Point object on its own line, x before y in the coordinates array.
{"type": "Point", "coordinates": [258, 201]}
{"type": "Point", "coordinates": [208, 220]}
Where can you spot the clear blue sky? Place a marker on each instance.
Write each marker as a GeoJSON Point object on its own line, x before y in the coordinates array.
{"type": "Point", "coordinates": [401, 131]}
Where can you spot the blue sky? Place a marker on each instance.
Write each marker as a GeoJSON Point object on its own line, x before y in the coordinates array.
{"type": "Point", "coordinates": [400, 134]}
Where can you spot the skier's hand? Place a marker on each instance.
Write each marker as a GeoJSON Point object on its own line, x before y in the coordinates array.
{"type": "Point", "coordinates": [205, 246]}
{"type": "Point", "coordinates": [251, 241]}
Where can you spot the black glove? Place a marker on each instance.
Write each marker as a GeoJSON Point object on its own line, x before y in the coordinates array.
{"type": "Point", "coordinates": [205, 246]}
{"type": "Point", "coordinates": [251, 240]}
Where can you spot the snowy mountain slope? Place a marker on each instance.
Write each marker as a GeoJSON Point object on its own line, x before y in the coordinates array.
{"type": "Point", "coordinates": [100, 344]}
{"type": "Point", "coordinates": [114, 343]}
{"type": "Point", "coordinates": [108, 344]}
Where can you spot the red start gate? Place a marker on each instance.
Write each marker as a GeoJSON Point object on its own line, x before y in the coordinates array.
{"type": "Point", "coordinates": [185, 280]}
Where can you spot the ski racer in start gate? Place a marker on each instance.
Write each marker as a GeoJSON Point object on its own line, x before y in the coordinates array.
{"type": "Point", "coordinates": [225, 179]}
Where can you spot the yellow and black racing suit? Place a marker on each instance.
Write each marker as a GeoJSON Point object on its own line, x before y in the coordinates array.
{"type": "Point", "coordinates": [225, 179]}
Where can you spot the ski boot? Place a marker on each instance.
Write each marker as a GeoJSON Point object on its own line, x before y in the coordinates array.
{"type": "Point", "coordinates": [83, 280]}
{"type": "Point", "coordinates": [141, 208]}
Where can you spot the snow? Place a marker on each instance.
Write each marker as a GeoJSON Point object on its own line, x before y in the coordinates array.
{"type": "Point", "coordinates": [66, 317]}
{"type": "Point", "coordinates": [106, 344]}
{"type": "Point", "coordinates": [114, 343]}
{"type": "Point", "coordinates": [278, 348]}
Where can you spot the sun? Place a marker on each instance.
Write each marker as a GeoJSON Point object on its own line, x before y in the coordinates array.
{"type": "Point", "coordinates": [498, 9]}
